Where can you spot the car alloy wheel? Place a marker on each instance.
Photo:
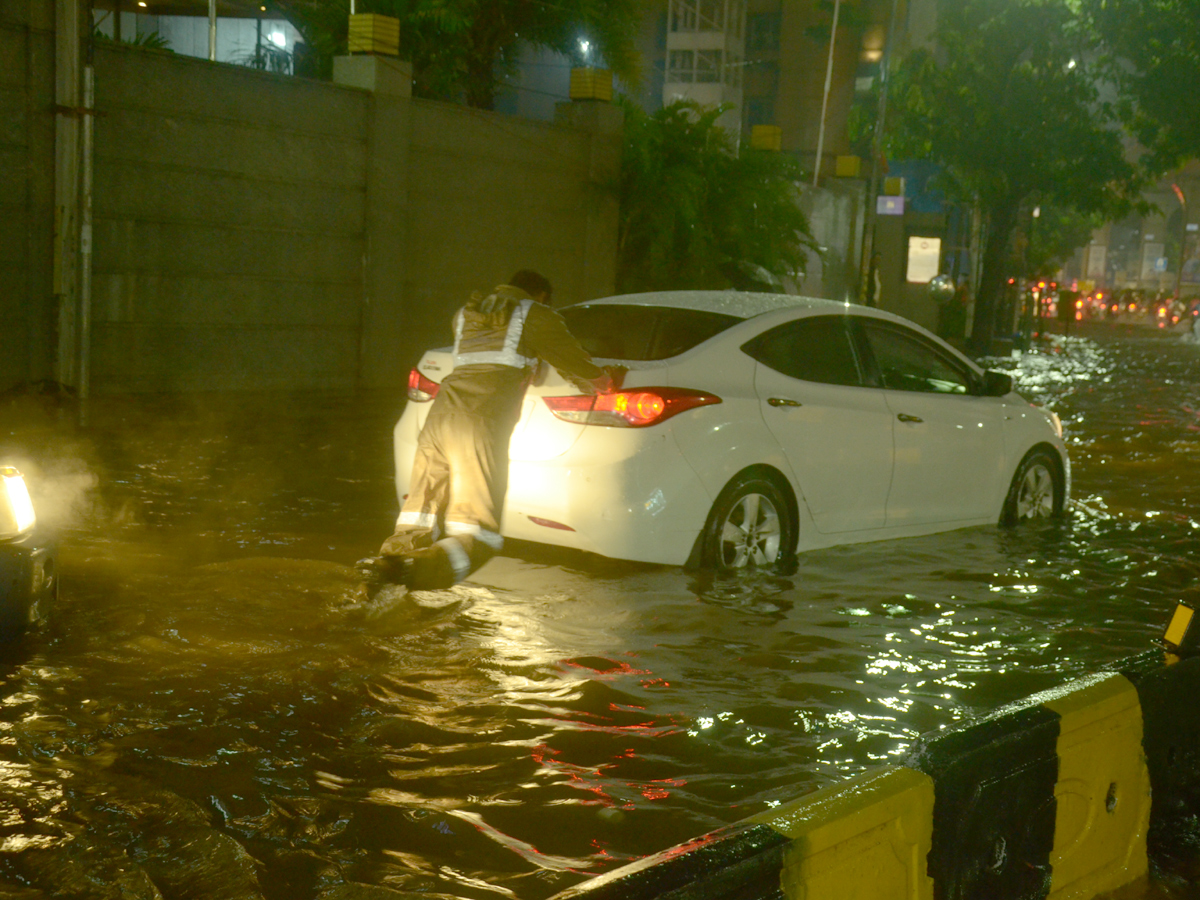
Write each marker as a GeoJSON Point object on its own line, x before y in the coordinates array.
{"type": "Point", "coordinates": [1036, 492]}
{"type": "Point", "coordinates": [751, 524]}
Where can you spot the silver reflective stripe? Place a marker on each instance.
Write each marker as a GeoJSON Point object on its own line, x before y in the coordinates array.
{"type": "Point", "coordinates": [420, 519]}
{"type": "Point", "coordinates": [459, 561]}
{"type": "Point", "coordinates": [458, 327]}
{"type": "Point", "coordinates": [507, 355]}
{"type": "Point", "coordinates": [493, 540]}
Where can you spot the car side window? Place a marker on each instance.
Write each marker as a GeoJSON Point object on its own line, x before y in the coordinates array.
{"type": "Point", "coordinates": [907, 362]}
{"type": "Point", "coordinates": [815, 348]}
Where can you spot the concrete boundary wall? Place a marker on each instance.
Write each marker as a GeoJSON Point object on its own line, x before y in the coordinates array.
{"type": "Point", "coordinates": [228, 227]}
{"type": "Point", "coordinates": [254, 231]}
{"type": "Point", "coordinates": [1062, 795]}
{"type": "Point", "coordinates": [27, 122]}
{"type": "Point", "coordinates": [260, 232]}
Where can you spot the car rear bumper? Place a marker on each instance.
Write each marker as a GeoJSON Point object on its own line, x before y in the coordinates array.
{"type": "Point", "coordinates": [28, 583]}
{"type": "Point", "coordinates": [621, 493]}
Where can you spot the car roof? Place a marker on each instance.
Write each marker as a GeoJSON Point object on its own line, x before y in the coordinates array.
{"type": "Point", "coordinates": [742, 304]}
{"type": "Point", "coordinates": [749, 304]}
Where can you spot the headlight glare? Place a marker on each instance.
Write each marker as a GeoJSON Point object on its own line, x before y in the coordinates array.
{"type": "Point", "coordinates": [16, 509]}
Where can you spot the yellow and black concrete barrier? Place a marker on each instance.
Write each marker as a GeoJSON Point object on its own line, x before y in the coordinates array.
{"type": "Point", "coordinates": [1061, 795]}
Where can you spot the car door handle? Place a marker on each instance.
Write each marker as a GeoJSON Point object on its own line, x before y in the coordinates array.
{"type": "Point", "coordinates": [905, 417]}
{"type": "Point", "coordinates": [783, 401]}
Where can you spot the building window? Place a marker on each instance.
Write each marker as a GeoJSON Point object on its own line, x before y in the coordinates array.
{"type": "Point", "coordinates": [706, 15]}
{"type": "Point", "coordinates": [760, 111]}
{"type": "Point", "coordinates": [762, 78]}
{"type": "Point", "coordinates": [710, 15]}
{"type": "Point", "coordinates": [708, 66]}
{"type": "Point", "coordinates": [681, 67]}
{"type": "Point", "coordinates": [762, 31]}
{"type": "Point", "coordinates": [703, 67]}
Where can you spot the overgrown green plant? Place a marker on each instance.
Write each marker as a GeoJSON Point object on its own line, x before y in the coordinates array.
{"type": "Point", "coordinates": [696, 213]}
{"type": "Point", "coordinates": [147, 40]}
{"type": "Point", "coordinates": [1042, 243]}
{"type": "Point", "coordinates": [1153, 55]}
{"type": "Point", "coordinates": [268, 58]}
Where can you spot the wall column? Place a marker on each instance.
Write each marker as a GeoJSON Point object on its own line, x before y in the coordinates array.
{"type": "Point", "coordinates": [382, 339]}
{"type": "Point", "coordinates": [605, 126]}
{"type": "Point", "coordinates": [68, 98]}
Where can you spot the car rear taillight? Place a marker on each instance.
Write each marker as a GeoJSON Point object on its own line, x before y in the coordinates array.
{"type": "Point", "coordinates": [628, 409]}
{"type": "Point", "coordinates": [421, 388]}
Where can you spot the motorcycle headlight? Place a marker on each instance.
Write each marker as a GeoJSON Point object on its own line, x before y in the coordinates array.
{"type": "Point", "coordinates": [16, 509]}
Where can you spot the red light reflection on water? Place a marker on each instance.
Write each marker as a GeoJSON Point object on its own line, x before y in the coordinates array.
{"type": "Point", "coordinates": [610, 671]}
{"type": "Point", "coordinates": [594, 779]}
{"type": "Point", "coordinates": [599, 780]}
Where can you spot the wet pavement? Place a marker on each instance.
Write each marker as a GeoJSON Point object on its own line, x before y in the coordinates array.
{"type": "Point", "coordinates": [215, 713]}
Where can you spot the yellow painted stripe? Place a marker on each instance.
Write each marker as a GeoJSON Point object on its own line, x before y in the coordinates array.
{"type": "Point", "coordinates": [1103, 789]}
{"type": "Point", "coordinates": [863, 839]}
{"type": "Point", "coordinates": [1181, 619]}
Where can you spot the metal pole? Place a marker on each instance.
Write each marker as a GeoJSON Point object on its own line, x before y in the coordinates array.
{"type": "Point", "coordinates": [837, 6]}
{"type": "Point", "coordinates": [1182, 238]}
{"type": "Point", "coordinates": [85, 238]}
{"type": "Point", "coordinates": [212, 30]}
{"type": "Point", "coordinates": [868, 249]}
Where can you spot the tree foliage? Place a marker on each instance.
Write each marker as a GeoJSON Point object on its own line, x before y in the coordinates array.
{"type": "Point", "coordinates": [696, 213]}
{"type": "Point", "coordinates": [1044, 242]}
{"type": "Point", "coordinates": [1010, 112]}
{"type": "Point", "coordinates": [1153, 49]}
{"type": "Point", "coordinates": [461, 50]}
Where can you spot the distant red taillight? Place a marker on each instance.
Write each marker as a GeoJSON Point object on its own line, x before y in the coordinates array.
{"type": "Point", "coordinates": [421, 388]}
{"type": "Point", "coordinates": [629, 409]}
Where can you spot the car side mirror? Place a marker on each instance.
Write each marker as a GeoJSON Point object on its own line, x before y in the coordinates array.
{"type": "Point", "coordinates": [996, 384]}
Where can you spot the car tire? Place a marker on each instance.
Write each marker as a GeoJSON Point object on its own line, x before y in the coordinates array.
{"type": "Point", "coordinates": [1036, 491]}
{"type": "Point", "coordinates": [750, 525]}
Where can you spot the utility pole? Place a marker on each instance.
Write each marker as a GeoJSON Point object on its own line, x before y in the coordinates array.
{"type": "Point", "coordinates": [870, 213]}
{"type": "Point", "coordinates": [837, 6]}
{"type": "Point", "coordinates": [212, 30]}
{"type": "Point", "coordinates": [1183, 216]}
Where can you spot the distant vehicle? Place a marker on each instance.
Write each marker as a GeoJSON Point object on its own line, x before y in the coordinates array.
{"type": "Point", "coordinates": [750, 426]}
{"type": "Point", "coordinates": [28, 561]}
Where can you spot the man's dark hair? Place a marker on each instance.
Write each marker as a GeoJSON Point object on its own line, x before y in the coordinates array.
{"type": "Point", "coordinates": [532, 283]}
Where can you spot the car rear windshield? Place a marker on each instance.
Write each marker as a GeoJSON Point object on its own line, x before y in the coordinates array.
{"type": "Point", "coordinates": [642, 332]}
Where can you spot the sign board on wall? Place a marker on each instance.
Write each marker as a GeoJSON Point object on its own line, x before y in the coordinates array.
{"type": "Point", "coordinates": [1096, 260]}
{"type": "Point", "coordinates": [924, 258]}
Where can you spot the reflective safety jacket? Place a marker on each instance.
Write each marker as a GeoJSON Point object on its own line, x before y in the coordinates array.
{"type": "Point", "coordinates": [498, 341]}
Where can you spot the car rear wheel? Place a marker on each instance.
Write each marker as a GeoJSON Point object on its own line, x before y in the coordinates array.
{"type": "Point", "coordinates": [1036, 491]}
{"type": "Point", "coordinates": [750, 525]}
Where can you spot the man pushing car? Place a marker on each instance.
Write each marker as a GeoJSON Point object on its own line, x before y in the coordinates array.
{"type": "Point", "coordinates": [449, 524]}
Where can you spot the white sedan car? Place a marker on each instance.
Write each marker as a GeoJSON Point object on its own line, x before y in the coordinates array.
{"type": "Point", "coordinates": [750, 426]}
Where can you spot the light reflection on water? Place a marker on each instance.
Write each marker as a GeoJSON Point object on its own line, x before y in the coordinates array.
{"type": "Point", "coordinates": [216, 711]}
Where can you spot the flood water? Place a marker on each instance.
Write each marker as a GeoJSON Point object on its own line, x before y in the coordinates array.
{"type": "Point", "coordinates": [214, 713]}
